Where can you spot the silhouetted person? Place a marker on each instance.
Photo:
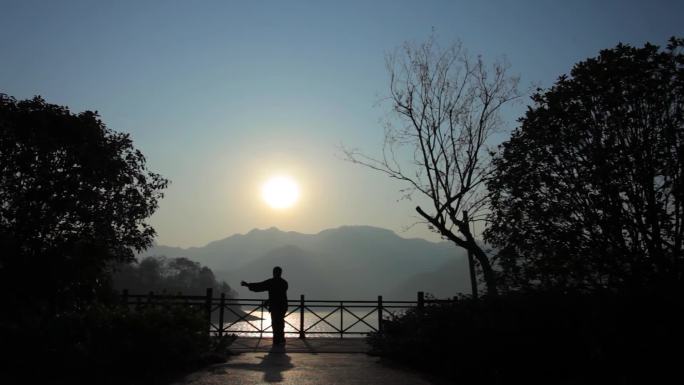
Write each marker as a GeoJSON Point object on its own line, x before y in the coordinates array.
{"type": "Point", "coordinates": [277, 302]}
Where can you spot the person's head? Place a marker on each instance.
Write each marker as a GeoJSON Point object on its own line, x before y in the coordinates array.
{"type": "Point", "coordinates": [277, 271]}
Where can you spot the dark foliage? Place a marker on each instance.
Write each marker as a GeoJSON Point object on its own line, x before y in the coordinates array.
{"type": "Point", "coordinates": [542, 338]}
{"type": "Point", "coordinates": [588, 194]}
{"type": "Point", "coordinates": [74, 196]}
{"type": "Point", "coordinates": [109, 345]}
{"type": "Point", "coordinates": [168, 275]}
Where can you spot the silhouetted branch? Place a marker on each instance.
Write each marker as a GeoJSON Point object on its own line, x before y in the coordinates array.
{"type": "Point", "coordinates": [446, 106]}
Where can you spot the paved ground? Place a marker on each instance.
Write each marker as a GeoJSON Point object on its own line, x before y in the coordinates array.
{"type": "Point", "coordinates": [305, 362]}
{"type": "Point", "coordinates": [308, 345]}
{"type": "Point", "coordinates": [304, 369]}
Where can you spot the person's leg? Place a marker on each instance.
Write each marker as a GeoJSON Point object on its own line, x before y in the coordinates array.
{"type": "Point", "coordinates": [281, 328]}
{"type": "Point", "coordinates": [278, 322]}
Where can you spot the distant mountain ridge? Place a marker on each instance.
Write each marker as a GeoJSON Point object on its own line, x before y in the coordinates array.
{"type": "Point", "coordinates": [348, 262]}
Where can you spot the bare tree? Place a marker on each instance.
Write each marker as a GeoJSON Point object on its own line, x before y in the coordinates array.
{"type": "Point", "coordinates": [445, 107]}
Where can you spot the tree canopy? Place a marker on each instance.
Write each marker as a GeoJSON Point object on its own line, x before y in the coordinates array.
{"type": "Point", "coordinates": [588, 193]}
{"type": "Point", "coordinates": [74, 197]}
{"type": "Point", "coordinates": [168, 275]}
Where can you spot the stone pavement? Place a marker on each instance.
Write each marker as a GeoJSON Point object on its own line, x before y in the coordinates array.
{"type": "Point", "coordinates": [303, 364]}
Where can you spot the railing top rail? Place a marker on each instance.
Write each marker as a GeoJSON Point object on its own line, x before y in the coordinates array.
{"type": "Point", "coordinates": [384, 301]}
{"type": "Point", "coordinates": [166, 296]}
{"type": "Point", "coordinates": [311, 302]}
{"type": "Point", "coordinates": [334, 301]}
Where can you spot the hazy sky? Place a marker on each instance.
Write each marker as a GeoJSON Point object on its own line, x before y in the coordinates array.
{"type": "Point", "coordinates": [220, 95]}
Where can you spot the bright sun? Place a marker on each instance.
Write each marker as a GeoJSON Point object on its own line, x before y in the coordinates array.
{"type": "Point", "coordinates": [280, 192]}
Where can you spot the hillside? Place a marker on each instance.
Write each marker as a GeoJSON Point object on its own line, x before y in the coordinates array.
{"type": "Point", "coordinates": [349, 262]}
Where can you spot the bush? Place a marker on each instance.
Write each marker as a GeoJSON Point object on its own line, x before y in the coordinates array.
{"type": "Point", "coordinates": [540, 338]}
{"type": "Point", "coordinates": [112, 344]}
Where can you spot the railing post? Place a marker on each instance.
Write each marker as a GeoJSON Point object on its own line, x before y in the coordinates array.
{"type": "Point", "coordinates": [207, 307]}
{"type": "Point", "coordinates": [150, 299]}
{"type": "Point", "coordinates": [380, 313]}
{"type": "Point", "coordinates": [341, 319]}
{"type": "Point", "coordinates": [421, 300]}
{"type": "Point", "coordinates": [221, 309]}
{"type": "Point", "coordinates": [124, 298]}
{"type": "Point", "coordinates": [302, 335]}
{"type": "Point", "coordinates": [261, 325]}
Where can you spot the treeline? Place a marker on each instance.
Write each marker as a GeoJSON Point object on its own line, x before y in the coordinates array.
{"type": "Point", "coordinates": [163, 275]}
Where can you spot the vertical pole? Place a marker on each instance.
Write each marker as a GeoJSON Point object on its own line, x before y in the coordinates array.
{"type": "Point", "coordinates": [380, 313]}
{"type": "Point", "coordinates": [221, 310]}
{"type": "Point", "coordinates": [261, 325]}
{"type": "Point", "coordinates": [471, 264]}
{"type": "Point", "coordinates": [124, 298]}
{"type": "Point", "coordinates": [207, 307]}
{"type": "Point", "coordinates": [341, 319]}
{"type": "Point", "coordinates": [421, 300]}
{"type": "Point", "coordinates": [301, 317]}
{"type": "Point", "coordinates": [150, 298]}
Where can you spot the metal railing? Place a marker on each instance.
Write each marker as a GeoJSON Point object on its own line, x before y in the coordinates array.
{"type": "Point", "coordinates": [246, 316]}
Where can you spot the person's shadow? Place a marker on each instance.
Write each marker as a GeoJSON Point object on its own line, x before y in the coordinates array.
{"type": "Point", "coordinates": [272, 364]}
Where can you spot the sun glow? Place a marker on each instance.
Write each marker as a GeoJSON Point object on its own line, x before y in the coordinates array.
{"type": "Point", "coordinates": [280, 192]}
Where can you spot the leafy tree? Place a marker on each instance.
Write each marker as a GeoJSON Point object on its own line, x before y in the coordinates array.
{"type": "Point", "coordinates": [174, 275]}
{"type": "Point", "coordinates": [447, 106]}
{"type": "Point", "coordinates": [588, 193]}
{"type": "Point", "coordinates": [74, 197]}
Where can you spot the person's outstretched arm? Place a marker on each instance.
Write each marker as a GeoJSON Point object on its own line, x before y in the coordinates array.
{"type": "Point", "coordinates": [257, 286]}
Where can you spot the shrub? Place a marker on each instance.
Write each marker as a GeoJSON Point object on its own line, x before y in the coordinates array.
{"type": "Point", "coordinates": [540, 338]}
{"type": "Point", "coordinates": [112, 344]}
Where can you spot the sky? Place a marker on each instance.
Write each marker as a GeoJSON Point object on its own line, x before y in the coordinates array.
{"type": "Point", "coordinates": [222, 95]}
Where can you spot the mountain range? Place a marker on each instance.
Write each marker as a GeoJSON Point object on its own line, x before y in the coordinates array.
{"type": "Point", "coordinates": [348, 262]}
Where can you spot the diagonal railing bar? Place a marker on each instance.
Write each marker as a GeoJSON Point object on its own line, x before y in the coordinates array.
{"type": "Point", "coordinates": [389, 312]}
{"type": "Point", "coordinates": [293, 310]}
{"type": "Point", "coordinates": [322, 319]}
{"type": "Point", "coordinates": [244, 318]}
{"type": "Point", "coordinates": [360, 319]}
{"type": "Point", "coordinates": [213, 327]}
{"type": "Point", "coordinates": [296, 330]}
